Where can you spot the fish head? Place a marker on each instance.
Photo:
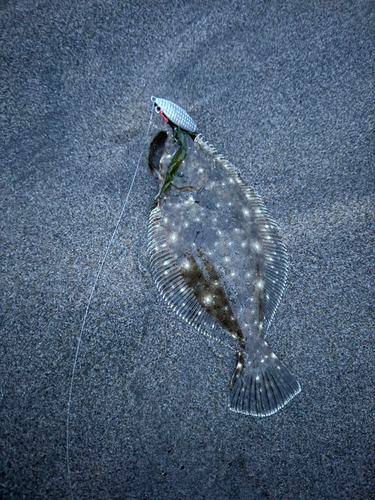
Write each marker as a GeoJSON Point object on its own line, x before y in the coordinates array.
{"type": "Point", "coordinates": [163, 149]}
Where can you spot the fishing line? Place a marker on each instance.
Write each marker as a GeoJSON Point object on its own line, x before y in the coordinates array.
{"type": "Point", "coordinates": [102, 262]}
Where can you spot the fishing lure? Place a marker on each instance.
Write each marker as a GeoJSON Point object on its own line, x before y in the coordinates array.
{"type": "Point", "coordinates": [170, 112]}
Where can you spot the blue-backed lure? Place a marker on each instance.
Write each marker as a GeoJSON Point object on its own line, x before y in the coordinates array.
{"type": "Point", "coordinates": [217, 259]}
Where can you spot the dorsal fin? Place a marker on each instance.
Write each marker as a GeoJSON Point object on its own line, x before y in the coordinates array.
{"type": "Point", "coordinates": [276, 258]}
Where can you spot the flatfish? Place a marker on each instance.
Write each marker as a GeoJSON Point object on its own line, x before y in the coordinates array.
{"type": "Point", "coordinates": [217, 259]}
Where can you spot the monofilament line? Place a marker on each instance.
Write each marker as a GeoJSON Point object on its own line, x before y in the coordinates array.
{"type": "Point", "coordinates": [88, 307]}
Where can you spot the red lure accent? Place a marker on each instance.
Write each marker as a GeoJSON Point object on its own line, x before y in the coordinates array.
{"type": "Point", "coordinates": [164, 118]}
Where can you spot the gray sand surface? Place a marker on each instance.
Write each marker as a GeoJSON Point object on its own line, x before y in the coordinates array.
{"type": "Point", "coordinates": [285, 91]}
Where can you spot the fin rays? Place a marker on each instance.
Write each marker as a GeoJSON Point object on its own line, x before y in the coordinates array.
{"type": "Point", "coordinates": [263, 392]}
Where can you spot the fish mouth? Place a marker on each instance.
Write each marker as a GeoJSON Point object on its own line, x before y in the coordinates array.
{"type": "Point", "coordinates": [156, 151]}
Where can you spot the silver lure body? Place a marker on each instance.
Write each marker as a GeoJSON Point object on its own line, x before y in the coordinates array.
{"type": "Point", "coordinates": [175, 114]}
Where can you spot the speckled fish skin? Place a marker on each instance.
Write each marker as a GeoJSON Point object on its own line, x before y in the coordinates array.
{"type": "Point", "coordinates": [219, 263]}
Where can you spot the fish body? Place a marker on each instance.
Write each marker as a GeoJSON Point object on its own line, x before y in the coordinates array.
{"type": "Point", "coordinates": [218, 261]}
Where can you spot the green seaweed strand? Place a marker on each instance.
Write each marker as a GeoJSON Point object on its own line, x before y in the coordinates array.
{"type": "Point", "coordinates": [178, 158]}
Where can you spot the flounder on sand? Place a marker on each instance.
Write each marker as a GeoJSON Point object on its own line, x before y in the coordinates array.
{"type": "Point", "coordinates": [217, 259]}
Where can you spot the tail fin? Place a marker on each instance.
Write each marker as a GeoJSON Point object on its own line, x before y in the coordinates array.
{"type": "Point", "coordinates": [261, 391]}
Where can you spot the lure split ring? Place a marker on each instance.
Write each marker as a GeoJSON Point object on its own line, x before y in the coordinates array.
{"type": "Point", "coordinates": [170, 112]}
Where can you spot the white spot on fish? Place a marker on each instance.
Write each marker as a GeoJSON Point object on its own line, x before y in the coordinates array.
{"type": "Point", "coordinates": [260, 284]}
{"type": "Point", "coordinates": [256, 246]}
